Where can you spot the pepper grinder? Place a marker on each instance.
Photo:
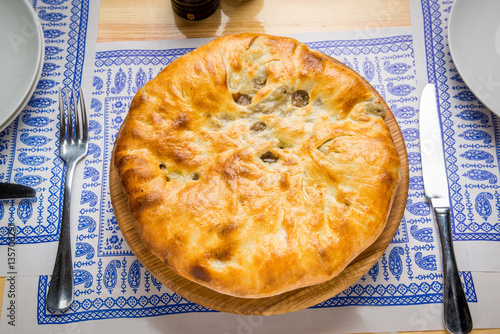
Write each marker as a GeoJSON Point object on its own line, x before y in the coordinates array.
{"type": "Point", "coordinates": [194, 9]}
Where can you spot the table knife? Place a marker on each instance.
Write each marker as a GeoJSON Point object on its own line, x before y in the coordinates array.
{"type": "Point", "coordinates": [457, 317]}
{"type": "Point", "coordinates": [14, 190]}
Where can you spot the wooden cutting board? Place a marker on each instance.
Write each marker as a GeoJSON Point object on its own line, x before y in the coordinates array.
{"type": "Point", "coordinates": [283, 303]}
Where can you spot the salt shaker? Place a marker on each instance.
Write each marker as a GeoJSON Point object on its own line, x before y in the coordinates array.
{"type": "Point", "coordinates": [194, 9]}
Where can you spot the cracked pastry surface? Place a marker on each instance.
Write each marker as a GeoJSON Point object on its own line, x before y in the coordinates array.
{"type": "Point", "coordinates": [255, 166]}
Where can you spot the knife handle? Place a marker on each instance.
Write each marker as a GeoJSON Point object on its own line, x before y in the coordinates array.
{"type": "Point", "coordinates": [457, 317]}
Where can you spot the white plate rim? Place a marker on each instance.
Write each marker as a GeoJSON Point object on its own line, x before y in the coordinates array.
{"type": "Point", "coordinates": [454, 52]}
{"type": "Point", "coordinates": [35, 75]}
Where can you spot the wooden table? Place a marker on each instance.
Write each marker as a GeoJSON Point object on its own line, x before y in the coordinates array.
{"type": "Point", "coordinates": [126, 20]}
{"type": "Point", "coordinates": [153, 19]}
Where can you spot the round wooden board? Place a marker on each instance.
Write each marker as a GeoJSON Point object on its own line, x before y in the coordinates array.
{"type": "Point", "coordinates": [283, 303]}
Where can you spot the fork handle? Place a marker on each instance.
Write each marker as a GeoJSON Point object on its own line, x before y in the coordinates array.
{"type": "Point", "coordinates": [61, 288]}
{"type": "Point", "coordinates": [457, 316]}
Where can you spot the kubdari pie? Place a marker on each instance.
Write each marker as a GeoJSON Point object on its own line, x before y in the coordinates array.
{"type": "Point", "coordinates": [254, 165]}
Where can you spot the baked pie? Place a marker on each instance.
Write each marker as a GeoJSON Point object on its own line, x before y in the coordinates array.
{"type": "Point", "coordinates": [255, 166]}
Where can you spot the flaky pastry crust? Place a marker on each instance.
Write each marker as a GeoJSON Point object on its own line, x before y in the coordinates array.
{"type": "Point", "coordinates": [254, 165]}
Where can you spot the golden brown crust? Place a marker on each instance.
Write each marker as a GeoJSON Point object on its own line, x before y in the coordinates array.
{"type": "Point", "coordinates": [255, 166]}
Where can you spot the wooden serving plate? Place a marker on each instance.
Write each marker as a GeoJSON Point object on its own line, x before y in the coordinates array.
{"type": "Point", "coordinates": [283, 303]}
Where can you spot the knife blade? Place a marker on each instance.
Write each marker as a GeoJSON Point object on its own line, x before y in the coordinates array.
{"type": "Point", "coordinates": [14, 190]}
{"type": "Point", "coordinates": [457, 317]}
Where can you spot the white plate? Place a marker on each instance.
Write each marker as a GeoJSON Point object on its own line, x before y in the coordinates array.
{"type": "Point", "coordinates": [474, 38]}
{"type": "Point", "coordinates": [21, 57]}
{"type": "Point", "coordinates": [27, 98]}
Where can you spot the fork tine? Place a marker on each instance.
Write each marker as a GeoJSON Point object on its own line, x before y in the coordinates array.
{"type": "Point", "coordinates": [62, 127]}
{"type": "Point", "coordinates": [77, 115]}
{"type": "Point", "coordinates": [70, 115]}
{"type": "Point", "coordinates": [85, 124]}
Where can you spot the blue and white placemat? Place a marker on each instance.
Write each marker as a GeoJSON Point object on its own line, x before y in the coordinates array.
{"type": "Point", "coordinates": [471, 140]}
{"type": "Point", "coordinates": [29, 148]}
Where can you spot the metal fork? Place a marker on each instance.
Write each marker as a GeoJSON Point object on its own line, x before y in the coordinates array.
{"type": "Point", "coordinates": [73, 145]}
